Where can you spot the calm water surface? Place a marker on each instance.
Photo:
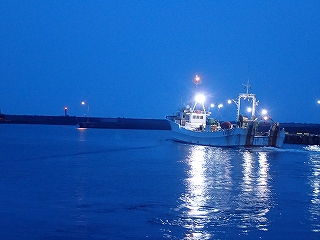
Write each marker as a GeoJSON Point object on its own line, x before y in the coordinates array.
{"type": "Point", "coordinates": [60, 182]}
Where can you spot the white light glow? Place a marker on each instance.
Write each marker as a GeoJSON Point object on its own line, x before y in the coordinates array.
{"type": "Point", "coordinates": [318, 101]}
{"type": "Point", "coordinates": [212, 105]}
{"type": "Point", "coordinates": [249, 109]}
{"type": "Point", "coordinates": [200, 98]}
{"type": "Point", "coordinates": [264, 112]}
{"type": "Point", "coordinates": [229, 101]}
{"type": "Point", "coordinates": [220, 105]}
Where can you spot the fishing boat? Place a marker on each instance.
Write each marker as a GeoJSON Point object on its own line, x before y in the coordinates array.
{"type": "Point", "coordinates": [193, 125]}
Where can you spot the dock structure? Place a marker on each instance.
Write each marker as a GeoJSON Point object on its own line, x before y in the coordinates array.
{"type": "Point", "coordinates": [296, 133]}
{"type": "Point", "coordinates": [302, 133]}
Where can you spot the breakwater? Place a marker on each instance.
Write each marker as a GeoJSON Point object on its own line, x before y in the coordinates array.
{"type": "Point", "coordinates": [36, 119]}
{"type": "Point", "coordinates": [302, 133]}
{"type": "Point", "coordinates": [88, 122]}
{"type": "Point", "coordinates": [127, 123]}
{"type": "Point", "coordinates": [302, 139]}
{"type": "Point", "coordinates": [296, 133]}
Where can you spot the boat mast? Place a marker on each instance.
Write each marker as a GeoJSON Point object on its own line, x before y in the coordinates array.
{"type": "Point", "coordinates": [197, 80]}
{"type": "Point", "coordinates": [245, 96]}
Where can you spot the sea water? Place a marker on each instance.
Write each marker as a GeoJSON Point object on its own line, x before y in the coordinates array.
{"type": "Point", "coordinates": [61, 182]}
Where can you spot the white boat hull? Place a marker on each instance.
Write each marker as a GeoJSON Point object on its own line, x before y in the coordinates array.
{"type": "Point", "coordinates": [235, 137]}
{"type": "Point", "coordinates": [224, 138]}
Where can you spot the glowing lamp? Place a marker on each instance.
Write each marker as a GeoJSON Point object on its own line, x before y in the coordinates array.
{"type": "Point", "coordinates": [318, 101]}
{"type": "Point", "coordinates": [197, 79]}
{"type": "Point", "coordinates": [264, 112]}
{"type": "Point", "coordinates": [212, 105]}
{"type": "Point", "coordinates": [229, 101]}
{"type": "Point", "coordinates": [249, 109]}
{"type": "Point", "coordinates": [200, 98]}
{"type": "Point", "coordinates": [220, 105]}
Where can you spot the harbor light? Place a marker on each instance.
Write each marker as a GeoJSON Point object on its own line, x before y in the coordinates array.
{"type": "Point", "coordinates": [65, 111]}
{"type": "Point", "coordinates": [220, 105]}
{"type": "Point", "coordinates": [200, 98]}
{"type": "Point", "coordinates": [318, 101]}
{"type": "Point", "coordinates": [229, 101]}
{"type": "Point", "coordinates": [212, 105]}
{"type": "Point", "coordinates": [84, 103]}
{"type": "Point", "coordinates": [249, 109]}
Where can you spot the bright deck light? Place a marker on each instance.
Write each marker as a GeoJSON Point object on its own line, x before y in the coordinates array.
{"type": "Point", "coordinates": [212, 105]}
{"type": "Point", "coordinates": [249, 109]}
{"type": "Point", "coordinates": [229, 101]}
{"type": "Point", "coordinates": [264, 112]}
{"type": "Point", "coordinates": [200, 98]}
{"type": "Point", "coordinates": [318, 101]}
{"type": "Point", "coordinates": [220, 105]}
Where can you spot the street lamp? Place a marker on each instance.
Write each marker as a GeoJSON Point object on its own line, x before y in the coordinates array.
{"type": "Point", "coordinates": [318, 101]}
{"type": "Point", "coordinates": [65, 111]}
{"type": "Point", "coordinates": [84, 103]}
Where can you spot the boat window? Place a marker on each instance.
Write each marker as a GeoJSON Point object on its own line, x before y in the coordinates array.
{"type": "Point", "coordinates": [201, 117]}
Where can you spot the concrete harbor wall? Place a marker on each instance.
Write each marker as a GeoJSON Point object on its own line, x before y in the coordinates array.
{"type": "Point", "coordinates": [30, 119]}
{"type": "Point", "coordinates": [296, 133]}
{"type": "Point", "coordinates": [302, 139]}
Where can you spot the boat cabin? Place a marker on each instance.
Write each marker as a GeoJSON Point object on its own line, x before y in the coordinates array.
{"type": "Point", "coordinates": [196, 120]}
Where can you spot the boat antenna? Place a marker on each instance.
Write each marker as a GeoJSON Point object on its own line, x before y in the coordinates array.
{"type": "Point", "coordinates": [247, 86]}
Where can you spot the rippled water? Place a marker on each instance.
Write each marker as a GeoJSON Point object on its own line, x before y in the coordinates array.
{"type": "Point", "coordinates": [60, 182]}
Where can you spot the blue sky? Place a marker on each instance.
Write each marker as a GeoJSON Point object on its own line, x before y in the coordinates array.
{"type": "Point", "coordinates": [137, 59]}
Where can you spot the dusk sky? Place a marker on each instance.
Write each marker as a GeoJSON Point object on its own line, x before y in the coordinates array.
{"type": "Point", "coordinates": [137, 59]}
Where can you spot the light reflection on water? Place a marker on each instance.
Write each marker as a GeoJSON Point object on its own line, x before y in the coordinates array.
{"type": "Point", "coordinates": [314, 179]}
{"type": "Point", "coordinates": [254, 200]}
{"type": "Point", "coordinates": [209, 205]}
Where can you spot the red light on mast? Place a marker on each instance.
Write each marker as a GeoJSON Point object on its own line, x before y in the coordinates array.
{"type": "Point", "coordinates": [197, 80]}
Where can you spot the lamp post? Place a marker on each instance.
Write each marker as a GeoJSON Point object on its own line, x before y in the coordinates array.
{"type": "Point", "coordinates": [65, 111]}
{"type": "Point", "coordinates": [84, 103]}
